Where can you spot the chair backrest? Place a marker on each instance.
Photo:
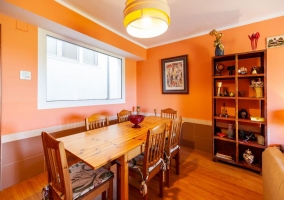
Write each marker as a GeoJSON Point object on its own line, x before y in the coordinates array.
{"type": "Point", "coordinates": [96, 121]}
{"type": "Point", "coordinates": [123, 116]}
{"type": "Point", "coordinates": [57, 167]}
{"type": "Point", "coordinates": [154, 147]}
{"type": "Point", "coordinates": [169, 113]}
{"type": "Point", "coordinates": [174, 135]}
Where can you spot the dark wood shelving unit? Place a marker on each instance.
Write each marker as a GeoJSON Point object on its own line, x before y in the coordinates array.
{"type": "Point", "coordinates": [257, 107]}
{"type": "Point", "coordinates": [225, 138]}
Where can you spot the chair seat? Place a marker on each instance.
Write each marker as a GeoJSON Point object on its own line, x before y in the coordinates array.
{"type": "Point", "coordinates": [137, 162]}
{"type": "Point", "coordinates": [84, 178]}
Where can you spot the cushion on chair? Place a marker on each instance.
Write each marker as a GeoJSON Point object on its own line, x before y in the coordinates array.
{"type": "Point", "coordinates": [136, 164]}
{"type": "Point", "coordinates": [84, 178]}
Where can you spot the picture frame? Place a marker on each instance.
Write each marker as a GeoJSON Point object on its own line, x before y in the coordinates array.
{"type": "Point", "coordinates": [175, 75]}
{"type": "Point", "coordinates": [275, 41]}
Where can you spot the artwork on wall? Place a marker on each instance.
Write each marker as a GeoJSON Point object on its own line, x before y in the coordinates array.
{"type": "Point", "coordinates": [275, 41]}
{"type": "Point", "coordinates": [175, 75]}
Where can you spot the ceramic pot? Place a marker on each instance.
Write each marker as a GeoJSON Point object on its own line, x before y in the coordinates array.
{"type": "Point", "coordinates": [248, 156]}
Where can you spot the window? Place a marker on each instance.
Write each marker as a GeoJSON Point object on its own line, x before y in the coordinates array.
{"type": "Point", "coordinates": [74, 74]}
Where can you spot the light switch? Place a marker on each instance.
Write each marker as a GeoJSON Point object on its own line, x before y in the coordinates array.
{"type": "Point", "coordinates": [25, 75]}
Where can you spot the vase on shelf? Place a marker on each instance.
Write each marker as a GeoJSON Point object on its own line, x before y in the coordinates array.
{"type": "Point", "coordinates": [248, 156]}
{"type": "Point", "coordinates": [230, 131]}
{"type": "Point", "coordinates": [218, 51]}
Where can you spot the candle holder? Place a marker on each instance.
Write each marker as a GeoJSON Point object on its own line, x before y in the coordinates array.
{"type": "Point", "coordinates": [219, 85]}
{"type": "Point", "coordinates": [155, 111]}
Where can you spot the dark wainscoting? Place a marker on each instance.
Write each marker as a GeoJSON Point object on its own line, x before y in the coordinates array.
{"type": "Point", "coordinates": [23, 159]}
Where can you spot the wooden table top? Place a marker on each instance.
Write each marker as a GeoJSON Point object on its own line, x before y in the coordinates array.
{"type": "Point", "coordinates": [99, 146]}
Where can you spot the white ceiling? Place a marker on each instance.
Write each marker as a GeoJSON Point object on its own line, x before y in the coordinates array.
{"type": "Point", "coordinates": [189, 18]}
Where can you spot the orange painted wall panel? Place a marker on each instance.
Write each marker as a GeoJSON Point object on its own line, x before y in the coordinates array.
{"type": "Point", "coordinates": [198, 104]}
{"type": "Point", "coordinates": [275, 95]}
{"type": "Point", "coordinates": [19, 97]}
{"type": "Point", "coordinates": [54, 11]}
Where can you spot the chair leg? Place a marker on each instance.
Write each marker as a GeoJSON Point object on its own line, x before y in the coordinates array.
{"type": "Point", "coordinates": [118, 186]}
{"type": "Point", "coordinates": [168, 178]}
{"type": "Point", "coordinates": [104, 196]}
{"type": "Point", "coordinates": [161, 183]}
{"type": "Point", "coordinates": [110, 190]}
{"type": "Point", "coordinates": [177, 157]}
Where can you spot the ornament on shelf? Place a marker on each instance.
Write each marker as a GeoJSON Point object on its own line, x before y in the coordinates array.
{"type": "Point", "coordinates": [219, 47]}
{"type": "Point", "coordinates": [248, 156]}
{"type": "Point", "coordinates": [253, 40]}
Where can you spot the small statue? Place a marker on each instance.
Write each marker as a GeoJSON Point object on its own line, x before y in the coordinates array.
{"type": "Point", "coordinates": [219, 51]}
{"type": "Point", "coordinates": [254, 71]}
{"type": "Point", "coordinates": [242, 134]}
{"type": "Point", "coordinates": [231, 69]}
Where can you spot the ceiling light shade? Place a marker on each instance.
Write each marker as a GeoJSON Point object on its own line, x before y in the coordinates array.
{"type": "Point", "coordinates": [146, 18]}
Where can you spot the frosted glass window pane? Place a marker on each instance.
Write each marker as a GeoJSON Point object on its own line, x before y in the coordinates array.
{"type": "Point", "coordinates": [69, 50]}
{"type": "Point", "coordinates": [115, 78]}
{"type": "Point", "coordinates": [74, 81]}
{"type": "Point", "coordinates": [95, 76]}
{"type": "Point", "coordinates": [51, 46]}
{"type": "Point", "coordinates": [90, 56]}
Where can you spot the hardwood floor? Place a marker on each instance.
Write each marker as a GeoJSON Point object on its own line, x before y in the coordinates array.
{"type": "Point", "coordinates": [200, 178]}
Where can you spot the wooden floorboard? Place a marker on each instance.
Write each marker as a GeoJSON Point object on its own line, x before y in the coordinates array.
{"type": "Point", "coordinates": [200, 178]}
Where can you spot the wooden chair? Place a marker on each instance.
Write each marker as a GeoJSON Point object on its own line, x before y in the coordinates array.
{"type": "Point", "coordinates": [78, 181]}
{"type": "Point", "coordinates": [172, 147]}
{"type": "Point", "coordinates": [145, 166]}
{"type": "Point", "coordinates": [123, 116]}
{"type": "Point", "coordinates": [96, 121]}
{"type": "Point", "coordinates": [169, 113]}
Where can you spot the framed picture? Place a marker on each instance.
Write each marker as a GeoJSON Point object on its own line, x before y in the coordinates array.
{"type": "Point", "coordinates": [175, 75]}
{"type": "Point", "coordinates": [275, 41]}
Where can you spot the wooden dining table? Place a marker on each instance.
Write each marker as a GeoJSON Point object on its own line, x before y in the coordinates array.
{"type": "Point", "coordinates": [119, 142]}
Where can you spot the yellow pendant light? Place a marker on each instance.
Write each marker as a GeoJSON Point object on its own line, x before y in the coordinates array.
{"type": "Point", "coordinates": [146, 18]}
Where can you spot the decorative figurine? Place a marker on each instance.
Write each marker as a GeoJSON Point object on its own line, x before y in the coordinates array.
{"type": "Point", "coordinates": [242, 70]}
{"type": "Point", "coordinates": [250, 135]}
{"type": "Point", "coordinates": [253, 40]}
{"type": "Point", "coordinates": [230, 131]}
{"type": "Point", "coordinates": [219, 85]}
{"type": "Point", "coordinates": [219, 47]}
{"type": "Point", "coordinates": [231, 69]}
{"type": "Point", "coordinates": [260, 139]}
{"type": "Point", "coordinates": [254, 71]}
{"type": "Point", "coordinates": [241, 93]}
{"type": "Point", "coordinates": [242, 134]}
{"type": "Point", "coordinates": [231, 94]}
{"type": "Point", "coordinates": [219, 68]}
{"type": "Point", "coordinates": [248, 156]}
{"type": "Point", "coordinates": [243, 114]}
{"type": "Point", "coordinates": [225, 92]}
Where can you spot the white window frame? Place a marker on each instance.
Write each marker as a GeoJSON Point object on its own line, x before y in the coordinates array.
{"type": "Point", "coordinates": [42, 86]}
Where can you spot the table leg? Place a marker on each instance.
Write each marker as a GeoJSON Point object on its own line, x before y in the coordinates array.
{"type": "Point", "coordinates": [123, 177]}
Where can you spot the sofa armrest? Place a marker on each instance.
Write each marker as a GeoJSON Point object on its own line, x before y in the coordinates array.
{"type": "Point", "coordinates": [273, 174]}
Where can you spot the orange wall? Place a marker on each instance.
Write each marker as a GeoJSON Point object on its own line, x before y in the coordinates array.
{"type": "Point", "coordinates": [54, 11]}
{"type": "Point", "coordinates": [275, 95]}
{"type": "Point", "coordinates": [19, 97]}
{"type": "Point", "coordinates": [198, 104]}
